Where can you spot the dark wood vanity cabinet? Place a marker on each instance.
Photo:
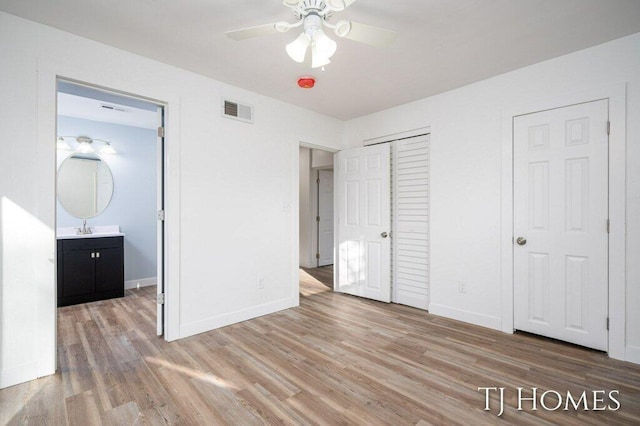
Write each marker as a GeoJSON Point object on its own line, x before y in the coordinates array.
{"type": "Point", "coordinates": [90, 269]}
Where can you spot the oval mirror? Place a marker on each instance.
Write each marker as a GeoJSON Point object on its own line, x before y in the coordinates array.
{"type": "Point", "coordinates": [85, 185]}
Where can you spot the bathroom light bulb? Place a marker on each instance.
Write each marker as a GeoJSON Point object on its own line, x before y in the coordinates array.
{"type": "Point", "coordinates": [108, 149]}
{"type": "Point", "coordinates": [85, 148]}
{"type": "Point", "coordinates": [62, 144]}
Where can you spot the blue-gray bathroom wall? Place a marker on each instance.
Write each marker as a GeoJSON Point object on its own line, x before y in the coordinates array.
{"type": "Point", "coordinates": [133, 205]}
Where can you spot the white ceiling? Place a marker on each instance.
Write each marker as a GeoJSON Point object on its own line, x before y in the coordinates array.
{"type": "Point", "coordinates": [442, 44]}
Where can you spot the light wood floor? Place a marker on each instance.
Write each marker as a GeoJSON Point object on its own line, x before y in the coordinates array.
{"type": "Point", "coordinates": [335, 359]}
{"type": "Point", "coordinates": [323, 274]}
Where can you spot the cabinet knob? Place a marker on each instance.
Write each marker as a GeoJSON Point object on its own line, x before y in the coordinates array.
{"type": "Point", "coordinates": [98, 254]}
{"type": "Point", "coordinates": [93, 255]}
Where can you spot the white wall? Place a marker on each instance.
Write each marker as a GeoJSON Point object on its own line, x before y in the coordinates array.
{"type": "Point", "coordinates": [133, 205]}
{"type": "Point", "coordinates": [231, 190]}
{"type": "Point", "coordinates": [321, 159]}
{"type": "Point", "coordinates": [467, 132]}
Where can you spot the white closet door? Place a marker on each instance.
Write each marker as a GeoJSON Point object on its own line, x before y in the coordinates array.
{"type": "Point", "coordinates": [363, 222]}
{"type": "Point", "coordinates": [560, 223]}
{"type": "Point", "coordinates": [411, 222]}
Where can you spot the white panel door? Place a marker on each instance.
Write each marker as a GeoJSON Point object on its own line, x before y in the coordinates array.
{"type": "Point", "coordinates": [325, 215]}
{"type": "Point", "coordinates": [363, 222]}
{"type": "Point", "coordinates": [560, 223]}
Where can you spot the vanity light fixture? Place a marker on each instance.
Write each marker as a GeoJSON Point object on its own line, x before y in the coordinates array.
{"type": "Point", "coordinates": [62, 144]}
{"type": "Point", "coordinates": [85, 145]}
{"type": "Point", "coordinates": [108, 149]}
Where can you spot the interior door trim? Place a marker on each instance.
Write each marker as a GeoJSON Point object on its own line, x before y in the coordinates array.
{"type": "Point", "coordinates": [616, 95]}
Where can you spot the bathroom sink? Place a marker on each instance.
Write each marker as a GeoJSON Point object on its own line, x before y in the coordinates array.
{"type": "Point", "coordinates": [96, 232]}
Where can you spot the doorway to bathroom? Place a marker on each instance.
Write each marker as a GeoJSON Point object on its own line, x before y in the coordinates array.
{"type": "Point", "coordinates": [109, 205]}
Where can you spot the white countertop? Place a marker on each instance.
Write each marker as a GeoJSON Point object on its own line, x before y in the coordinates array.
{"type": "Point", "coordinates": [96, 232]}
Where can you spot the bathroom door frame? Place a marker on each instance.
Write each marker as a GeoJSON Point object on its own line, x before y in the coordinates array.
{"type": "Point", "coordinates": [161, 164]}
{"type": "Point", "coordinates": [48, 70]}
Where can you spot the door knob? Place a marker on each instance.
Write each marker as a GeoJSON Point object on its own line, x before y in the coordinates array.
{"type": "Point", "coordinates": [384, 235]}
{"type": "Point", "coordinates": [521, 241]}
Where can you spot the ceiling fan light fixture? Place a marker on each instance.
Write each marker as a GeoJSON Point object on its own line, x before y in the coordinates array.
{"type": "Point", "coordinates": [314, 16]}
{"type": "Point", "coordinates": [297, 49]}
{"type": "Point", "coordinates": [317, 59]}
{"type": "Point", "coordinates": [319, 62]}
{"type": "Point", "coordinates": [323, 45]}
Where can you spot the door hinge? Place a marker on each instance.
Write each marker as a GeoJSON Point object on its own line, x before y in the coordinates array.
{"type": "Point", "coordinates": [317, 255]}
{"type": "Point", "coordinates": [161, 132]}
{"type": "Point", "coordinates": [317, 218]}
{"type": "Point", "coordinates": [607, 323]}
{"type": "Point", "coordinates": [161, 215]}
{"type": "Point", "coordinates": [160, 299]}
{"type": "Point", "coordinates": [608, 226]}
{"type": "Point", "coordinates": [608, 127]}
{"type": "Point", "coordinates": [318, 180]}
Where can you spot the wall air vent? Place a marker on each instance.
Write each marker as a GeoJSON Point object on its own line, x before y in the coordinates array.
{"type": "Point", "coordinates": [236, 111]}
{"type": "Point", "coordinates": [113, 107]}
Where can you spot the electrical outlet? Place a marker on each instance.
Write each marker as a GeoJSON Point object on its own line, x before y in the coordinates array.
{"type": "Point", "coordinates": [462, 287]}
{"type": "Point", "coordinates": [260, 283]}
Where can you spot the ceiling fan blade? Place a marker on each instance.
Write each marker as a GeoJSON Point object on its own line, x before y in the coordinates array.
{"type": "Point", "coordinates": [339, 5]}
{"type": "Point", "coordinates": [245, 33]}
{"type": "Point", "coordinates": [373, 36]}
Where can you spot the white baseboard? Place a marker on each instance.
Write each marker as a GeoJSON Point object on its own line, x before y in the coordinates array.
{"type": "Point", "coordinates": [223, 320]}
{"type": "Point", "coordinates": [466, 316]}
{"type": "Point", "coordinates": [633, 354]}
{"type": "Point", "coordinates": [20, 374]}
{"type": "Point", "coordinates": [144, 282]}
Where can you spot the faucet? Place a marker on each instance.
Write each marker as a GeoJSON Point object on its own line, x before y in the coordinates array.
{"type": "Point", "coordinates": [84, 230]}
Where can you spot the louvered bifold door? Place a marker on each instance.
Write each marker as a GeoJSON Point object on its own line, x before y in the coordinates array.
{"type": "Point", "coordinates": [410, 238]}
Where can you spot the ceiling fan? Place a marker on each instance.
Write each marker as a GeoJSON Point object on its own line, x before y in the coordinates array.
{"type": "Point", "coordinates": [312, 16]}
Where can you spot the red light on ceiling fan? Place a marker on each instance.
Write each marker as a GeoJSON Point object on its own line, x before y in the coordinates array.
{"type": "Point", "coordinates": [306, 82]}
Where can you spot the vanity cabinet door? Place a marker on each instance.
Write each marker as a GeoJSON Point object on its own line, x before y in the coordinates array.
{"type": "Point", "coordinates": [78, 273]}
{"type": "Point", "coordinates": [110, 270]}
